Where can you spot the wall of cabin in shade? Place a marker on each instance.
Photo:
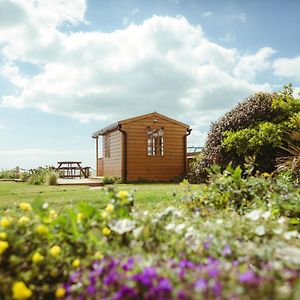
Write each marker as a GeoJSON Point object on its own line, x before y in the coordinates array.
{"type": "Point", "coordinates": [156, 168]}
{"type": "Point", "coordinates": [112, 165]}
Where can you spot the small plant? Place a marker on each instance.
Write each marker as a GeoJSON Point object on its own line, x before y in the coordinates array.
{"type": "Point", "coordinates": [112, 180]}
{"type": "Point", "coordinates": [8, 174]}
{"type": "Point", "coordinates": [51, 178]}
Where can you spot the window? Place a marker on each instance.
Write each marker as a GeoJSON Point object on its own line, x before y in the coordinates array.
{"type": "Point", "coordinates": [155, 141]}
{"type": "Point", "coordinates": [107, 145]}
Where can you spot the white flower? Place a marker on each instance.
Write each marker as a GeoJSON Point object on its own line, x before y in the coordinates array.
{"type": "Point", "coordinates": [277, 230]}
{"type": "Point", "coordinates": [281, 220]}
{"type": "Point", "coordinates": [253, 215]}
{"type": "Point", "coordinates": [289, 234]}
{"type": "Point", "coordinates": [45, 205]}
{"type": "Point", "coordinates": [219, 221]}
{"type": "Point", "coordinates": [266, 215]}
{"type": "Point", "coordinates": [180, 227]}
{"type": "Point", "coordinates": [260, 230]}
{"type": "Point", "coordinates": [170, 226]}
{"type": "Point", "coordinates": [137, 231]}
{"type": "Point", "coordinates": [122, 226]}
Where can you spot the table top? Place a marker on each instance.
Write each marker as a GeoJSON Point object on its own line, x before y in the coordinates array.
{"type": "Point", "coordinates": [69, 162]}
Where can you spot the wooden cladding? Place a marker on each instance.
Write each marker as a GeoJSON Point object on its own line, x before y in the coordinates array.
{"type": "Point", "coordinates": [151, 147]}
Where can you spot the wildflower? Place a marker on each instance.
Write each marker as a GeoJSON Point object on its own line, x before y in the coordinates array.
{"type": "Point", "coordinates": [109, 208]}
{"type": "Point", "coordinates": [21, 291]}
{"type": "Point", "coordinates": [60, 292]}
{"type": "Point", "coordinates": [253, 215]}
{"type": "Point", "coordinates": [25, 206]}
{"type": "Point", "coordinates": [3, 246]}
{"type": "Point", "coordinates": [55, 250]}
{"type": "Point", "coordinates": [53, 214]}
{"type": "Point", "coordinates": [123, 194]}
{"type": "Point", "coordinates": [98, 255]}
{"type": "Point", "coordinates": [104, 214]}
{"type": "Point", "coordinates": [23, 220]}
{"type": "Point", "coordinates": [106, 231]}
{"type": "Point", "coordinates": [42, 229]}
{"type": "Point", "coordinates": [3, 235]}
{"type": "Point", "coordinates": [76, 263]}
{"type": "Point", "coordinates": [226, 251]}
{"type": "Point", "coordinates": [266, 215]}
{"type": "Point", "coordinates": [265, 174]}
{"type": "Point", "coordinates": [289, 234]}
{"type": "Point", "coordinates": [248, 277]}
{"type": "Point", "coordinates": [37, 257]}
{"type": "Point", "coordinates": [5, 222]}
{"type": "Point", "coordinates": [79, 217]}
{"type": "Point", "coordinates": [260, 230]}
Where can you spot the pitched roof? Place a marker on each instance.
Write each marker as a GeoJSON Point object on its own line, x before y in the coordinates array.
{"type": "Point", "coordinates": [126, 121]}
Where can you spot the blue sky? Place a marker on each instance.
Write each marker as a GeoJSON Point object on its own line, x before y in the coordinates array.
{"type": "Point", "coordinates": [69, 68]}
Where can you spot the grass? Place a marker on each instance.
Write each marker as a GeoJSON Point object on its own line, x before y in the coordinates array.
{"type": "Point", "coordinates": [147, 196]}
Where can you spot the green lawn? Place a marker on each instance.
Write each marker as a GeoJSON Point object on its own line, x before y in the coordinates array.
{"type": "Point", "coordinates": [147, 196]}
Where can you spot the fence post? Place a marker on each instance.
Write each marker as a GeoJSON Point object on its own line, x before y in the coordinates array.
{"type": "Point", "coordinates": [17, 172]}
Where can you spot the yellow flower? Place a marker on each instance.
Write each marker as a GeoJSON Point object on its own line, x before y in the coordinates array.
{"type": "Point", "coordinates": [3, 235]}
{"type": "Point", "coordinates": [3, 246]}
{"type": "Point", "coordinates": [53, 214]}
{"type": "Point", "coordinates": [265, 174]}
{"type": "Point", "coordinates": [106, 231]}
{"type": "Point", "coordinates": [60, 292]}
{"type": "Point", "coordinates": [109, 208]}
{"type": "Point", "coordinates": [23, 220]}
{"type": "Point", "coordinates": [5, 222]}
{"type": "Point", "coordinates": [98, 255]}
{"type": "Point", "coordinates": [37, 257]}
{"type": "Point", "coordinates": [42, 229]}
{"type": "Point", "coordinates": [123, 194]}
{"type": "Point", "coordinates": [104, 214]}
{"type": "Point", "coordinates": [76, 263]}
{"type": "Point", "coordinates": [21, 291]}
{"type": "Point", "coordinates": [55, 250]}
{"type": "Point", "coordinates": [79, 217]}
{"type": "Point", "coordinates": [25, 206]}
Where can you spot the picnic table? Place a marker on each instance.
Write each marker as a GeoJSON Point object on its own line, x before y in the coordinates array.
{"type": "Point", "coordinates": [72, 169]}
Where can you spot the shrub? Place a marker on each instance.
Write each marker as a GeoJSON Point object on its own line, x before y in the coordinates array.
{"type": "Point", "coordinates": [8, 174]}
{"type": "Point", "coordinates": [41, 175]}
{"type": "Point", "coordinates": [112, 180]}
{"type": "Point", "coordinates": [51, 178]}
{"type": "Point", "coordinates": [254, 127]}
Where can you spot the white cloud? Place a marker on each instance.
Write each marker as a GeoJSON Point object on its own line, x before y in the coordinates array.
{"type": "Point", "coordinates": [207, 14]}
{"type": "Point", "coordinates": [164, 64]}
{"type": "Point", "coordinates": [287, 67]}
{"type": "Point", "coordinates": [249, 65]}
{"type": "Point", "coordinates": [2, 126]}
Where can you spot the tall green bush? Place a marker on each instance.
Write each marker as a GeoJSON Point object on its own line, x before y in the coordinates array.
{"type": "Point", "coordinates": [256, 127]}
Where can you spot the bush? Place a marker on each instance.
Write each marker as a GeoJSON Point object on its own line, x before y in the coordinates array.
{"type": "Point", "coordinates": [240, 191]}
{"type": "Point", "coordinates": [41, 175]}
{"type": "Point", "coordinates": [112, 180]}
{"type": "Point", "coordinates": [8, 174]}
{"type": "Point", "coordinates": [51, 178]}
{"type": "Point", "coordinates": [255, 127]}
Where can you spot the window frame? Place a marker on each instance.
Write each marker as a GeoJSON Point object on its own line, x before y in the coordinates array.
{"type": "Point", "coordinates": [155, 144]}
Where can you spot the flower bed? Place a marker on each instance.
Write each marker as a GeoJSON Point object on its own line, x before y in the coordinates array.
{"type": "Point", "coordinates": [117, 253]}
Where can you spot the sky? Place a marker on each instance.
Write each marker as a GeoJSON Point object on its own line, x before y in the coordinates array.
{"type": "Point", "coordinates": [70, 68]}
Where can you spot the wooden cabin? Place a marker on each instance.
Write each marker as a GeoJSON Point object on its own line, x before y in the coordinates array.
{"type": "Point", "coordinates": [149, 147]}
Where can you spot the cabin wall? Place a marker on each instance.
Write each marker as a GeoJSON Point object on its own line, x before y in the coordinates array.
{"type": "Point", "coordinates": [156, 168]}
{"type": "Point", "coordinates": [112, 166]}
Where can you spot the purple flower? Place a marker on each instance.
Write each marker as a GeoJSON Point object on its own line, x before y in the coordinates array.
{"type": "Point", "coordinates": [217, 289]}
{"type": "Point", "coordinates": [128, 265]}
{"type": "Point", "coordinates": [91, 290]}
{"type": "Point", "coordinates": [213, 272]}
{"type": "Point", "coordinates": [125, 293]}
{"type": "Point", "coordinates": [200, 284]}
{"type": "Point", "coordinates": [164, 285]}
{"type": "Point", "coordinates": [226, 251]}
{"type": "Point", "coordinates": [248, 277]}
